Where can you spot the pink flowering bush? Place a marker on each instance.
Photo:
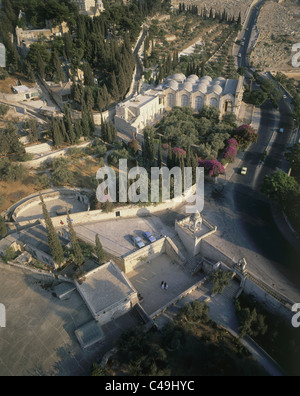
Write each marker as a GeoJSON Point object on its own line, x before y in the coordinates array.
{"type": "Point", "coordinates": [179, 151]}
{"type": "Point", "coordinates": [245, 135]}
{"type": "Point", "coordinates": [213, 168]}
{"type": "Point", "coordinates": [230, 151]}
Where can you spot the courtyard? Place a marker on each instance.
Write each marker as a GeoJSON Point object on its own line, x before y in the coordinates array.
{"type": "Point", "coordinates": [147, 278]}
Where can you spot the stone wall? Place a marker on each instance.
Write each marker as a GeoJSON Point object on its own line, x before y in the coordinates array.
{"type": "Point", "coordinates": [163, 246]}
{"type": "Point", "coordinates": [48, 197]}
{"type": "Point", "coordinates": [148, 253]}
{"type": "Point", "coordinates": [213, 253]}
{"type": "Point", "coordinates": [271, 303]}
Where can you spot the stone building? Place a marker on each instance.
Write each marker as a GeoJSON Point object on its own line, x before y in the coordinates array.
{"type": "Point", "coordinates": [133, 115]}
{"type": "Point", "coordinates": [107, 293]}
{"type": "Point", "coordinates": [226, 95]}
{"type": "Point", "coordinates": [90, 7]}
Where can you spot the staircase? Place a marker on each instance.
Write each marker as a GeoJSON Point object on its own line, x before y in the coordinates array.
{"type": "Point", "coordinates": [231, 291]}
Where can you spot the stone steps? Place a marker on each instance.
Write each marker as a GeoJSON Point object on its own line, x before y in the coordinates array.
{"type": "Point", "coordinates": [231, 291]}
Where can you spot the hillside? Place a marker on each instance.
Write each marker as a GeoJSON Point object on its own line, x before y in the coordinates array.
{"type": "Point", "coordinates": [278, 25]}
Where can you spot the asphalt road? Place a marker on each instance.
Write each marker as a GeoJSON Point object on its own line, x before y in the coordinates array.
{"type": "Point", "coordinates": [256, 220]}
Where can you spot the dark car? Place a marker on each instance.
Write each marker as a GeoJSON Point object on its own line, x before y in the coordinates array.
{"type": "Point", "coordinates": [149, 237]}
{"type": "Point", "coordinates": [137, 241]}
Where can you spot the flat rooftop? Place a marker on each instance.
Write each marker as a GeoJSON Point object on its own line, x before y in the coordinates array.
{"type": "Point", "coordinates": [104, 287]}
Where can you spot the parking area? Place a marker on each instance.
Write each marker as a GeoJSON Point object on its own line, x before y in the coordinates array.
{"type": "Point", "coordinates": [115, 235]}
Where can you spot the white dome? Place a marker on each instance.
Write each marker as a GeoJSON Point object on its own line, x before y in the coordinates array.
{"type": "Point", "coordinates": [188, 86]}
{"type": "Point", "coordinates": [179, 77]}
{"type": "Point", "coordinates": [217, 89]}
{"type": "Point", "coordinates": [193, 78]}
{"type": "Point", "coordinates": [220, 79]}
{"type": "Point", "coordinates": [172, 84]}
{"type": "Point", "coordinates": [202, 88]}
{"type": "Point", "coordinates": [206, 79]}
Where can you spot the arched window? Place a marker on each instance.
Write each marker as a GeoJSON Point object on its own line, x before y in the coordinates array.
{"type": "Point", "coordinates": [198, 103]}
{"type": "Point", "coordinates": [184, 100]}
{"type": "Point", "coordinates": [171, 100]}
{"type": "Point", "coordinates": [228, 106]}
{"type": "Point", "coordinates": [214, 102]}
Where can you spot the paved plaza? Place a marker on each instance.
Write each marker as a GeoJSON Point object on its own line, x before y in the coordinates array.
{"type": "Point", "coordinates": [147, 278]}
{"type": "Point", "coordinates": [115, 234]}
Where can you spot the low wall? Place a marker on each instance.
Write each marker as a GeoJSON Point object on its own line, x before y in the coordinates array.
{"type": "Point", "coordinates": [43, 160]}
{"type": "Point", "coordinates": [213, 253]}
{"type": "Point", "coordinates": [281, 304]}
{"type": "Point", "coordinates": [119, 213]}
{"type": "Point", "coordinates": [148, 253]}
{"type": "Point", "coordinates": [50, 196]}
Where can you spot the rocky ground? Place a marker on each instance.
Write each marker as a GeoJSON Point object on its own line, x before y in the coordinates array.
{"type": "Point", "coordinates": [278, 25]}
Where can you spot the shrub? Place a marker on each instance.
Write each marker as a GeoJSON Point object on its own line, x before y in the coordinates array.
{"type": "Point", "coordinates": [213, 168]}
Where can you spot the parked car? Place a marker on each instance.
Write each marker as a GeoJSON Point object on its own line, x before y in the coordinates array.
{"type": "Point", "coordinates": [137, 241]}
{"type": "Point", "coordinates": [150, 238]}
{"type": "Point", "coordinates": [281, 130]}
{"type": "Point", "coordinates": [244, 171]}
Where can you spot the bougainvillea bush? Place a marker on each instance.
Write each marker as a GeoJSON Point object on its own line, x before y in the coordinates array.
{"type": "Point", "coordinates": [245, 135]}
{"type": "Point", "coordinates": [179, 151]}
{"type": "Point", "coordinates": [231, 150]}
{"type": "Point", "coordinates": [213, 168]}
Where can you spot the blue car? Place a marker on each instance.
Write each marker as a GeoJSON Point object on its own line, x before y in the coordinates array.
{"type": "Point", "coordinates": [138, 242]}
{"type": "Point", "coordinates": [149, 237]}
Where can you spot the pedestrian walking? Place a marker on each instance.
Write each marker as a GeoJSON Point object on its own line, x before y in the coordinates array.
{"type": "Point", "coordinates": [166, 286]}
{"type": "Point", "coordinates": [162, 285]}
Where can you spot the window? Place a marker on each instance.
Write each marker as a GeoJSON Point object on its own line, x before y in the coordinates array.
{"type": "Point", "coordinates": [171, 100]}
{"type": "Point", "coordinates": [214, 102]}
{"type": "Point", "coordinates": [184, 100]}
{"type": "Point", "coordinates": [198, 103]}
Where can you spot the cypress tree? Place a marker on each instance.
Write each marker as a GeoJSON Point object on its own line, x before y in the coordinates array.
{"type": "Point", "coordinates": [160, 157]}
{"type": "Point", "coordinates": [78, 129]}
{"type": "Point", "coordinates": [59, 74]}
{"type": "Point", "coordinates": [170, 157]}
{"type": "Point", "coordinates": [3, 228]}
{"type": "Point", "coordinates": [56, 133]}
{"type": "Point", "coordinates": [115, 93]}
{"type": "Point", "coordinates": [99, 250]}
{"type": "Point", "coordinates": [78, 256]}
{"type": "Point", "coordinates": [188, 160]}
{"type": "Point", "coordinates": [69, 125]}
{"type": "Point", "coordinates": [53, 239]}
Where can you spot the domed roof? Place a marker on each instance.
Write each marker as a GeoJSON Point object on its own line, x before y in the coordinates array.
{"type": "Point", "coordinates": [179, 77]}
{"type": "Point", "coordinates": [172, 84]}
{"type": "Point", "coordinates": [220, 79]}
{"type": "Point", "coordinates": [193, 78]}
{"type": "Point", "coordinates": [206, 78]}
{"type": "Point", "coordinates": [217, 89]}
{"type": "Point", "coordinates": [202, 88]}
{"type": "Point", "coordinates": [188, 86]}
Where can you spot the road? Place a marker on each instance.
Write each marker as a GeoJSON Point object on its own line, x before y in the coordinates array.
{"type": "Point", "coordinates": [256, 221]}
